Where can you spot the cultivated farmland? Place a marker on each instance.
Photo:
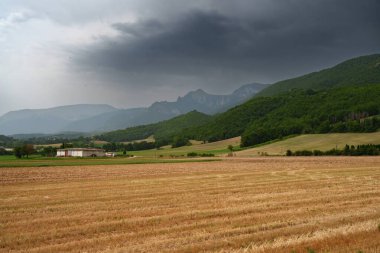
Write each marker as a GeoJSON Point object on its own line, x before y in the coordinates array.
{"type": "Point", "coordinates": [283, 204]}
{"type": "Point", "coordinates": [218, 147]}
{"type": "Point", "coordinates": [312, 142]}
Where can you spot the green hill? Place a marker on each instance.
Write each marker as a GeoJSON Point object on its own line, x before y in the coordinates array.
{"type": "Point", "coordinates": [343, 109]}
{"type": "Point", "coordinates": [357, 71]}
{"type": "Point", "coordinates": [163, 131]}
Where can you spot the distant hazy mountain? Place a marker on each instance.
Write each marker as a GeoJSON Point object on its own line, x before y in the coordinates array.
{"type": "Point", "coordinates": [210, 104]}
{"type": "Point", "coordinates": [195, 100]}
{"type": "Point", "coordinates": [49, 120]}
{"type": "Point", "coordinates": [96, 118]}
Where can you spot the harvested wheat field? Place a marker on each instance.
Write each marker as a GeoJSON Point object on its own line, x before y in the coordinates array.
{"type": "Point", "coordinates": [283, 204]}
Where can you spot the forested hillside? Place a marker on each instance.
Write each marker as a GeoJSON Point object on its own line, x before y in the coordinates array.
{"type": "Point", "coordinates": [163, 131]}
{"type": "Point", "coordinates": [343, 109]}
{"type": "Point", "coordinates": [357, 71]}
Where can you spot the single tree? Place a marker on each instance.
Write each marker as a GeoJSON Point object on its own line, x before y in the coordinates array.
{"type": "Point", "coordinates": [231, 149]}
{"type": "Point", "coordinates": [18, 151]}
{"type": "Point", "coordinates": [28, 149]}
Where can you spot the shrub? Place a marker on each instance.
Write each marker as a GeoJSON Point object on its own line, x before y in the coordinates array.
{"type": "Point", "coordinates": [180, 141]}
{"type": "Point", "coordinates": [303, 153]}
{"type": "Point", "coordinates": [192, 154]}
{"type": "Point", "coordinates": [207, 155]}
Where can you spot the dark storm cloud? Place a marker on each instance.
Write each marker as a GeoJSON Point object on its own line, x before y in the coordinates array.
{"type": "Point", "coordinates": [217, 46]}
{"type": "Point", "coordinates": [177, 47]}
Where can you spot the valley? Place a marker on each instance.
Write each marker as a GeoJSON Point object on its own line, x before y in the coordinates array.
{"type": "Point", "coordinates": [214, 150]}
{"type": "Point", "coordinates": [190, 126]}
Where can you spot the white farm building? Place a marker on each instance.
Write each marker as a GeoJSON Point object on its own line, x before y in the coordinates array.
{"type": "Point", "coordinates": [80, 152]}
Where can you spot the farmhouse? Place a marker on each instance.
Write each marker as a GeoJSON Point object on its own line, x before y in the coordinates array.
{"type": "Point", "coordinates": [80, 152]}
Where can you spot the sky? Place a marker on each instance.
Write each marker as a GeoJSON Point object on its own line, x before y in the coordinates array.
{"type": "Point", "coordinates": [131, 53]}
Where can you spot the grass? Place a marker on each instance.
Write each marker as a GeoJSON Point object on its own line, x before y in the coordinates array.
{"type": "Point", "coordinates": [313, 142]}
{"type": "Point", "coordinates": [219, 147]}
{"type": "Point", "coordinates": [38, 161]}
{"type": "Point", "coordinates": [163, 155]}
{"type": "Point", "coordinates": [55, 145]}
{"type": "Point", "coordinates": [276, 147]}
{"type": "Point", "coordinates": [280, 204]}
{"type": "Point", "coordinates": [148, 139]}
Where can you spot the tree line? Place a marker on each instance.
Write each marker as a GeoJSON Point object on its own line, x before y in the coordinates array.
{"type": "Point", "coordinates": [348, 150]}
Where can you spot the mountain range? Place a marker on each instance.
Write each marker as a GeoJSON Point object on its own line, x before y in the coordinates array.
{"type": "Point", "coordinates": [48, 120]}
{"type": "Point", "coordinates": [101, 117]}
{"type": "Point", "coordinates": [344, 98]}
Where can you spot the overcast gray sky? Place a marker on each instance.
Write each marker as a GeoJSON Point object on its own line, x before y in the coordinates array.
{"type": "Point", "coordinates": [132, 53]}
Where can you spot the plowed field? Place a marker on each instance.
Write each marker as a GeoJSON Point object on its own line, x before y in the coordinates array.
{"type": "Point", "coordinates": [264, 204]}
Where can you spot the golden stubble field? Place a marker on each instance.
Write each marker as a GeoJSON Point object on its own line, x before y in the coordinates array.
{"type": "Point", "coordinates": [236, 205]}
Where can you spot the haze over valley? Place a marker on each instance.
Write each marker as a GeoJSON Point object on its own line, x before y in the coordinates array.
{"type": "Point", "coordinates": [97, 118]}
